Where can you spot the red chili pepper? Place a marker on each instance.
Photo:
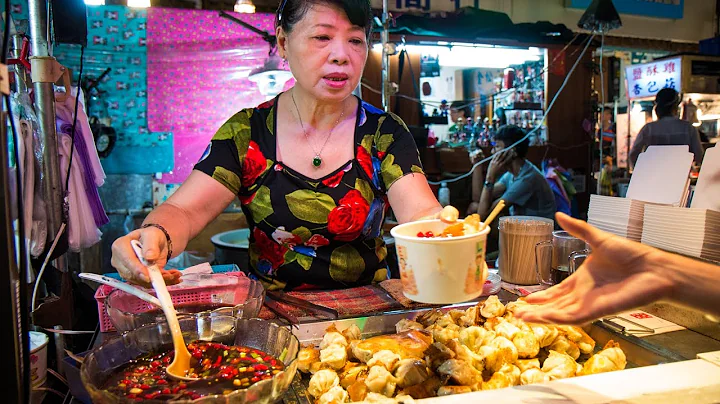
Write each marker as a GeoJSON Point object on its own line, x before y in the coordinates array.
{"type": "Point", "coordinates": [217, 362]}
{"type": "Point", "coordinates": [429, 234]}
{"type": "Point", "coordinates": [255, 379]}
{"type": "Point", "coordinates": [131, 396]}
{"type": "Point", "coordinates": [182, 385]}
{"type": "Point", "coordinates": [165, 391]}
{"type": "Point", "coordinates": [150, 396]}
{"type": "Point", "coordinates": [421, 234]}
{"type": "Point", "coordinates": [162, 381]}
{"type": "Point", "coordinates": [175, 390]}
{"type": "Point", "coordinates": [144, 387]}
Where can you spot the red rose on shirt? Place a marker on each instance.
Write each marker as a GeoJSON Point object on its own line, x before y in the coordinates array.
{"type": "Point", "coordinates": [347, 219]}
{"type": "Point", "coordinates": [254, 164]}
{"type": "Point", "coordinates": [245, 200]}
{"type": "Point", "coordinates": [268, 249]}
{"type": "Point", "coordinates": [334, 181]}
{"type": "Point", "coordinates": [365, 160]}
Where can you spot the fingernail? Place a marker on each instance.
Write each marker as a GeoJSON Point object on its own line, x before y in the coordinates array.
{"type": "Point", "coordinates": [144, 278]}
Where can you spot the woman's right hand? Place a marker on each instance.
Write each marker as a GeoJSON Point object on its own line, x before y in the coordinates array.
{"type": "Point", "coordinates": [154, 250]}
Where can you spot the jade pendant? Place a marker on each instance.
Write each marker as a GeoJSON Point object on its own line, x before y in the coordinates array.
{"type": "Point", "coordinates": [317, 161]}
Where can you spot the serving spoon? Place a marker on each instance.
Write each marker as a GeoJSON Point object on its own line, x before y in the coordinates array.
{"type": "Point", "coordinates": [179, 367]}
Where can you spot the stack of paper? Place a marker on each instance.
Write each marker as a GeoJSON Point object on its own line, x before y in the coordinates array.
{"type": "Point", "coordinates": [661, 176]}
{"type": "Point", "coordinates": [707, 191]}
{"type": "Point", "coordinates": [620, 216]}
{"type": "Point", "coordinates": [688, 231]}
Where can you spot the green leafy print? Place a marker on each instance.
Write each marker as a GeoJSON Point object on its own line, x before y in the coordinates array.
{"type": "Point", "coordinates": [310, 206]}
{"type": "Point", "coordinates": [304, 261]}
{"type": "Point", "coordinates": [390, 171]}
{"type": "Point", "coordinates": [365, 190]}
{"type": "Point", "coordinates": [261, 206]}
{"type": "Point", "coordinates": [228, 178]}
{"type": "Point", "coordinates": [237, 129]}
{"type": "Point", "coordinates": [346, 264]}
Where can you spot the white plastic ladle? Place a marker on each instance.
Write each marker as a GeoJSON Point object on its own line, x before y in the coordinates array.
{"type": "Point", "coordinates": [122, 286]}
{"type": "Point", "coordinates": [180, 365]}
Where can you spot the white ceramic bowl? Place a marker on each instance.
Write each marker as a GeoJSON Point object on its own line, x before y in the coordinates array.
{"type": "Point", "coordinates": [440, 270]}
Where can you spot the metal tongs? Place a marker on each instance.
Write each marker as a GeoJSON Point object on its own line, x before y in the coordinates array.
{"type": "Point", "coordinates": [272, 298]}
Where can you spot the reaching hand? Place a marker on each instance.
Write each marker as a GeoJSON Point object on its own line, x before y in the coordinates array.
{"type": "Point", "coordinates": [617, 276]}
{"type": "Point", "coordinates": [154, 250]}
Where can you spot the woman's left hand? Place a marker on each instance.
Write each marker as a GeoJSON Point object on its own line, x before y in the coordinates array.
{"type": "Point", "coordinates": [498, 164]}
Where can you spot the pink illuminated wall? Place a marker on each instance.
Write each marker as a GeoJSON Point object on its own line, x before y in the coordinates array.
{"type": "Point", "coordinates": [197, 65]}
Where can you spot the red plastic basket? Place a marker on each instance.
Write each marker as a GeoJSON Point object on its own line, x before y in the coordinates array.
{"type": "Point", "coordinates": [180, 294]}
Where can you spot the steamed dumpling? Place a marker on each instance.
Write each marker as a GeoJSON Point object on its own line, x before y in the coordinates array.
{"type": "Point", "coordinates": [306, 357]}
{"type": "Point", "coordinates": [533, 375]}
{"type": "Point", "coordinates": [545, 334]}
{"type": "Point", "coordinates": [525, 364]}
{"type": "Point", "coordinates": [333, 338]}
{"type": "Point", "coordinates": [405, 325]}
{"type": "Point", "coordinates": [335, 395]}
{"type": "Point", "coordinates": [564, 345]}
{"type": "Point", "coordinates": [474, 337]}
{"type": "Point", "coordinates": [559, 366]}
{"type": "Point", "coordinates": [385, 358]}
{"type": "Point", "coordinates": [492, 307]}
{"type": "Point", "coordinates": [322, 381]}
{"type": "Point", "coordinates": [526, 344]}
{"type": "Point", "coordinates": [351, 333]}
{"type": "Point", "coordinates": [334, 356]}
{"type": "Point", "coordinates": [379, 380]}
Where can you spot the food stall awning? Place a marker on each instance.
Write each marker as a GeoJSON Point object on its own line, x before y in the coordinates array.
{"type": "Point", "coordinates": [475, 25]}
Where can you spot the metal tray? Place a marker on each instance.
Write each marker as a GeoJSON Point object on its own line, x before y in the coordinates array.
{"type": "Point", "coordinates": [638, 352]}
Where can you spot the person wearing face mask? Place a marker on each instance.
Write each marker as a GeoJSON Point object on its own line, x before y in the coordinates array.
{"type": "Point", "coordinates": [668, 129]}
{"type": "Point", "coordinates": [315, 169]}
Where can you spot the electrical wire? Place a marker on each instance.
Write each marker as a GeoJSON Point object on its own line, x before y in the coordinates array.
{"type": "Point", "coordinates": [552, 103]}
{"type": "Point", "coordinates": [23, 263]}
{"type": "Point", "coordinates": [602, 107]}
{"type": "Point", "coordinates": [72, 134]}
{"type": "Point", "coordinates": [44, 265]}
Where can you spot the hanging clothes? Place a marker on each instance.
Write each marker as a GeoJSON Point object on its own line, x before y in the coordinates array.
{"type": "Point", "coordinates": [86, 174]}
{"type": "Point", "coordinates": [30, 148]}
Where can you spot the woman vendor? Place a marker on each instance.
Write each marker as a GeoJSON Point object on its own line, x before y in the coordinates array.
{"type": "Point", "coordinates": [315, 169]}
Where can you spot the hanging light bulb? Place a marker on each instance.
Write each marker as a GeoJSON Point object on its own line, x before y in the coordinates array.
{"type": "Point", "coordinates": [271, 77]}
{"type": "Point", "coordinates": [244, 6]}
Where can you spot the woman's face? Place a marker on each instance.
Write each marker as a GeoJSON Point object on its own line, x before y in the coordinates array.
{"type": "Point", "coordinates": [326, 53]}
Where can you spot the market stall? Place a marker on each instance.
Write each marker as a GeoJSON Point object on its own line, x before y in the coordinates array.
{"type": "Point", "coordinates": [693, 76]}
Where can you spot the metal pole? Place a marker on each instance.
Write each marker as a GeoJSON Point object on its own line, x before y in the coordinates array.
{"type": "Point", "coordinates": [384, 39]}
{"type": "Point", "coordinates": [20, 73]}
{"type": "Point", "coordinates": [45, 106]}
{"type": "Point", "coordinates": [13, 326]}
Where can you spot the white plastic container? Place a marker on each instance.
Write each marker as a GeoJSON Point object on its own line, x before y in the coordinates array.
{"type": "Point", "coordinates": [440, 270]}
{"type": "Point", "coordinates": [38, 357]}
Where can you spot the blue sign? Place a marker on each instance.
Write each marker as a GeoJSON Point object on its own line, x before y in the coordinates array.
{"type": "Point", "coordinates": [649, 8]}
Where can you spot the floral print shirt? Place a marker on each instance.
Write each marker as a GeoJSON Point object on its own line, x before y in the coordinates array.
{"type": "Point", "coordinates": [313, 233]}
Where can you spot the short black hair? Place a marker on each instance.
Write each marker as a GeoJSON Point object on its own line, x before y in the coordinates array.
{"type": "Point", "coordinates": [510, 134]}
{"type": "Point", "coordinates": [667, 101]}
{"type": "Point", "coordinates": [290, 12]}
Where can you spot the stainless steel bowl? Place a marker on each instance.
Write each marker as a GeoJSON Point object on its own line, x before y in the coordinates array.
{"type": "Point", "coordinates": [237, 296]}
{"type": "Point", "coordinates": [266, 336]}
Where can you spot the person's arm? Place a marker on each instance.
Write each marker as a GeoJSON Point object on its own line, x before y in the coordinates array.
{"type": "Point", "coordinates": [199, 200]}
{"type": "Point", "coordinates": [402, 177]}
{"type": "Point", "coordinates": [637, 147]}
{"type": "Point", "coordinates": [621, 275]}
{"type": "Point", "coordinates": [488, 197]}
{"type": "Point", "coordinates": [696, 145]}
{"type": "Point", "coordinates": [412, 199]}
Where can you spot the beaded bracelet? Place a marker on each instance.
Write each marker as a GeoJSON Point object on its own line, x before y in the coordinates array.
{"type": "Point", "coordinates": [167, 236]}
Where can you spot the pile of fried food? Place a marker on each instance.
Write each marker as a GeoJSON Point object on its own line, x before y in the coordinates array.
{"type": "Point", "coordinates": [482, 348]}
